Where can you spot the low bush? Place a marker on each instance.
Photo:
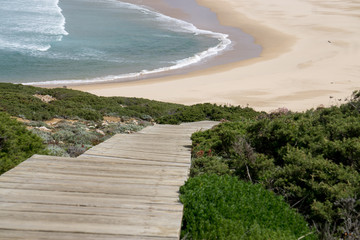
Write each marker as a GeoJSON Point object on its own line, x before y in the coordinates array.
{"type": "Point", "coordinates": [122, 128]}
{"type": "Point", "coordinates": [45, 136]}
{"type": "Point", "coordinates": [222, 207]}
{"type": "Point", "coordinates": [16, 143]}
{"type": "Point", "coordinates": [76, 150]}
{"type": "Point", "coordinates": [311, 159]}
{"type": "Point", "coordinates": [19, 100]}
{"type": "Point", "coordinates": [208, 111]}
{"type": "Point", "coordinates": [55, 150]}
{"type": "Point", "coordinates": [209, 164]}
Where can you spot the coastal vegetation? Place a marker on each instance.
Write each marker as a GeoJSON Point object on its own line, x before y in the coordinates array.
{"type": "Point", "coordinates": [16, 143]}
{"type": "Point", "coordinates": [311, 159]}
{"type": "Point", "coordinates": [281, 175]}
{"type": "Point", "coordinates": [69, 122]}
{"type": "Point", "coordinates": [224, 207]}
{"type": "Point", "coordinates": [21, 101]}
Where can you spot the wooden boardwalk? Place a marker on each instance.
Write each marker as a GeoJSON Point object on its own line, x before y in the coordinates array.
{"type": "Point", "coordinates": [124, 188]}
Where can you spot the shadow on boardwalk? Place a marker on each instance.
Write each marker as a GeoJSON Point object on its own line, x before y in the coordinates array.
{"type": "Point", "coordinates": [124, 188]}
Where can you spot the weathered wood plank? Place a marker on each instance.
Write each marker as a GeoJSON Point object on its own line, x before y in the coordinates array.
{"type": "Point", "coordinates": [101, 167]}
{"type": "Point", "coordinates": [93, 215]}
{"type": "Point", "coordinates": [140, 156]}
{"type": "Point", "coordinates": [36, 221]}
{"type": "Point", "coordinates": [135, 216]}
{"type": "Point", "coordinates": [121, 189]}
{"type": "Point", "coordinates": [152, 171]}
{"type": "Point", "coordinates": [6, 234]}
{"type": "Point", "coordinates": [90, 199]}
{"type": "Point", "coordinates": [88, 172]}
{"type": "Point", "coordinates": [124, 188]}
{"type": "Point", "coordinates": [109, 180]}
{"type": "Point", "coordinates": [113, 160]}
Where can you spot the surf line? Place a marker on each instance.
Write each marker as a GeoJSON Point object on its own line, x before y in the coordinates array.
{"type": "Point", "coordinates": [224, 43]}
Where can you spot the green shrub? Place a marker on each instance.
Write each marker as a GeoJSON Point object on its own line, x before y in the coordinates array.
{"type": "Point", "coordinates": [45, 136]}
{"type": "Point", "coordinates": [55, 150]}
{"type": "Point", "coordinates": [207, 111]}
{"type": "Point", "coordinates": [77, 150]}
{"type": "Point", "coordinates": [310, 158]}
{"type": "Point", "coordinates": [122, 128]}
{"type": "Point", "coordinates": [18, 100]}
{"type": "Point", "coordinates": [315, 184]}
{"type": "Point", "coordinates": [209, 164]}
{"type": "Point", "coordinates": [76, 134]}
{"type": "Point", "coordinates": [16, 143]}
{"type": "Point", "coordinates": [222, 207]}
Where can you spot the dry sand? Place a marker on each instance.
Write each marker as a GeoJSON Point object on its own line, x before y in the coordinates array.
{"type": "Point", "coordinates": [311, 57]}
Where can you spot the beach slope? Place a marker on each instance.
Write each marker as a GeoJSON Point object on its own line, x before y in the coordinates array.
{"type": "Point", "coordinates": [310, 57]}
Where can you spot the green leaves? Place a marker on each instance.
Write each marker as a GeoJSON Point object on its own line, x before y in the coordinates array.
{"type": "Point", "coordinates": [311, 158]}
{"type": "Point", "coordinates": [19, 100]}
{"type": "Point", "coordinates": [222, 207]}
{"type": "Point", "coordinates": [209, 164]}
{"type": "Point", "coordinates": [207, 111]}
{"type": "Point", "coordinates": [314, 181]}
{"type": "Point", "coordinates": [16, 143]}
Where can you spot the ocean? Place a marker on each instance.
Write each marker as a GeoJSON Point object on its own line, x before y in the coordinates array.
{"type": "Point", "coordinates": [82, 41]}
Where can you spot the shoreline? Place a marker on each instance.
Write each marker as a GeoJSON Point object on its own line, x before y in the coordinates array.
{"type": "Point", "coordinates": [283, 75]}
{"type": "Point", "coordinates": [242, 43]}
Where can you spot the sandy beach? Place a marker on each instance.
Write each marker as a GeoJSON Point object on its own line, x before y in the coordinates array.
{"type": "Point", "coordinates": [310, 57]}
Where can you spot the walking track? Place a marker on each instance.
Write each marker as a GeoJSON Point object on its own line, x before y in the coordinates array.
{"type": "Point", "coordinates": [124, 188]}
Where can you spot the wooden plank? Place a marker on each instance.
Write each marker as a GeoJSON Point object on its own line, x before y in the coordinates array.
{"type": "Point", "coordinates": [120, 189]}
{"type": "Point", "coordinates": [112, 160]}
{"type": "Point", "coordinates": [134, 216]}
{"type": "Point", "coordinates": [72, 162]}
{"type": "Point", "coordinates": [124, 188]}
{"type": "Point", "coordinates": [147, 183]}
{"type": "Point", "coordinates": [90, 173]}
{"type": "Point", "coordinates": [86, 224]}
{"type": "Point", "coordinates": [6, 234]}
{"type": "Point", "coordinates": [108, 179]}
{"type": "Point", "coordinates": [149, 148]}
{"type": "Point", "coordinates": [89, 199]}
{"type": "Point", "coordinates": [154, 153]}
{"type": "Point", "coordinates": [140, 156]}
{"type": "Point", "coordinates": [153, 171]}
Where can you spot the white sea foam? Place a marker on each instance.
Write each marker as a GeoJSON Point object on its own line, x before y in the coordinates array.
{"type": "Point", "coordinates": [136, 75]}
{"type": "Point", "coordinates": [169, 23]}
{"type": "Point", "coordinates": [30, 25]}
{"type": "Point", "coordinates": [23, 46]}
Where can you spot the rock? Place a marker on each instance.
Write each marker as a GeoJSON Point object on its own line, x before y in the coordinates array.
{"type": "Point", "coordinates": [110, 119]}
{"type": "Point", "coordinates": [21, 119]}
{"type": "Point", "coordinates": [45, 98]}
{"type": "Point", "coordinates": [44, 129]}
{"type": "Point", "coordinates": [134, 121]}
{"type": "Point", "coordinates": [100, 132]}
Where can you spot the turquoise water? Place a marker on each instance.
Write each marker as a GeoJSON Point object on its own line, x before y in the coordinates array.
{"type": "Point", "coordinates": [47, 41]}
